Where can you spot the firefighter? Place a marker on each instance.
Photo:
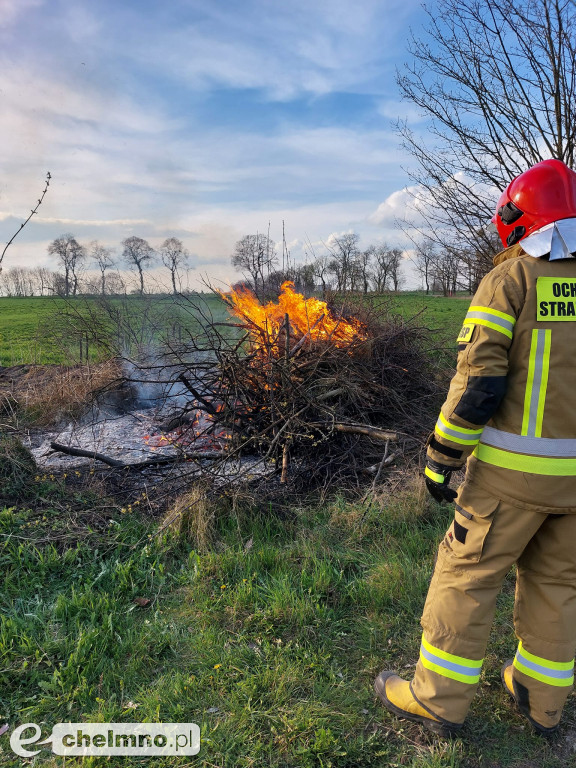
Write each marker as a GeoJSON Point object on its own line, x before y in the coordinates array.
{"type": "Point", "coordinates": [510, 415]}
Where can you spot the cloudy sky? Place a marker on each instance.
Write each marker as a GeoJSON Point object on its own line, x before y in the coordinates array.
{"type": "Point", "coordinates": [202, 119]}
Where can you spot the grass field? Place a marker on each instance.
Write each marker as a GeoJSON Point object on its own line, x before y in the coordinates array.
{"type": "Point", "coordinates": [36, 330]}
{"type": "Point", "coordinates": [270, 642]}
{"type": "Point", "coordinates": [48, 330]}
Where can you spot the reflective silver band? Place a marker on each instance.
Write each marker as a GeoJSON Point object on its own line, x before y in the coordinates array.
{"type": "Point", "coordinates": [536, 446]}
{"type": "Point", "coordinates": [475, 314]}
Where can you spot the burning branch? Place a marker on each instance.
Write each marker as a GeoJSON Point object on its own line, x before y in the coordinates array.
{"type": "Point", "coordinates": [314, 390]}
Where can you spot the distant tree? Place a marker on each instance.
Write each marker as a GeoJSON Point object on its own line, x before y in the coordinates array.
{"type": "Point", "coordinates": [321, 267]}
{"type": "Point", "coordinates": [174, 256]}
{"type": "Point", "coordinates": [424, 258]}
{"type": "Point", "coordinates": [364, 267]}
{"type": "Point", "coordinates": [387, 263]}
{"type": "Point", "coordinates": [137, 254]}
{"type": "Point", "coordinates": [71, 256]}
{"type": "Point", "coordinates": [115, 284]}
{"type": "Point", "coordinates": [103, 258]}
{"type": "Point", "coordinates": [445, 270]}
{"type": "Point", "coordinates": [396, 268]}
{"type": "Point", "coordinates": [18, 282]}
{"type": "Point", "coordinates": [273, 283]}
{"type": "Point", "coordinates": [44, 280]}
{"type": "Point", "coordinates": [304, 279]}
{"type": "Point", "coordinates": [344, 252]}
{"type": "Point", "coordinates": [255, 256]}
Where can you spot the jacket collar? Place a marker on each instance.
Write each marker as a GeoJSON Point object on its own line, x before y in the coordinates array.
{"type": "Point", "coordinates": [508, 253]}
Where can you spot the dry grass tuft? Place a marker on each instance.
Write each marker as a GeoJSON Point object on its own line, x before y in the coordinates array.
{"type": "Point", "coordinates": [192, 518]}
{"type": "Point", "coordinates": [47, 395]}
{"type": "Point", "coordinates": [17, 467]}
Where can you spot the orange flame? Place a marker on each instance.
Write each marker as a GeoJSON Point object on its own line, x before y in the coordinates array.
{"type": "Point", "coordinates": [308, 317]}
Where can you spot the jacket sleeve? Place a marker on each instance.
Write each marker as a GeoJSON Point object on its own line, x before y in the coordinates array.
{"type": "Point", "coordinates": [479, 384]}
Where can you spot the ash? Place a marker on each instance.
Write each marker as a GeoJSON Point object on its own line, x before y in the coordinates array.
{"type": "Point", "coordinates": [149, 417]}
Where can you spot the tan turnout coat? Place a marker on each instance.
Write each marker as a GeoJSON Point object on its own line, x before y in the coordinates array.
{"type": "Point", "coordinates": [518, 347]}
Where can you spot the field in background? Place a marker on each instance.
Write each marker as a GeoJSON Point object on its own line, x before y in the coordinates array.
{"type": "Point", "coordinates": [37, 331]}
{"type": "Point", "coordinates": [32, 330]}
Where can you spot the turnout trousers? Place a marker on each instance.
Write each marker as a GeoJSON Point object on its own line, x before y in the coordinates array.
{"type": "Point", "coordinates": [486, 538]}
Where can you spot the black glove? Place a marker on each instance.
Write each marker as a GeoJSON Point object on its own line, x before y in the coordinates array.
{"type": "Point", "coordinates": [437, 478]}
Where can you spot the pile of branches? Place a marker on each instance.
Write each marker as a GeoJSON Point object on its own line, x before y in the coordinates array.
{"type": "Point", "coordinates": [321, 409]}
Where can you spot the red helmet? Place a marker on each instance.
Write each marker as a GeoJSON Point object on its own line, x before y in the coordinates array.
{"type": "Point", "coordinates": [542, 194]}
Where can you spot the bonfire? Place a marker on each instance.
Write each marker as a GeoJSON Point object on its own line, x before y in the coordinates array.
{"type": "Point", "coordinates": [296, 391]}
{"type": "Point", "coordinates": [316, 390]}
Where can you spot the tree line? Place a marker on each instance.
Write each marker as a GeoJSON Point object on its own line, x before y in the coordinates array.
{"type": "Point", "coordinates": [342, 267]}
{"type": "Point", "coordinates": [71, 278]}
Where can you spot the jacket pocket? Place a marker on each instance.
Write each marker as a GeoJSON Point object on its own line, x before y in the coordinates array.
{"type": "Point", "coordinates": [473, 518]}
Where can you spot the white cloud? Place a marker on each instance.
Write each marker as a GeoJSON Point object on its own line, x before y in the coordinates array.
{"type": "Point", "coordinates": [287, 50]}
{"type": "Point", "coordinates": [10, 10]}
{"type": "Point", "coordinates": [399, 205]}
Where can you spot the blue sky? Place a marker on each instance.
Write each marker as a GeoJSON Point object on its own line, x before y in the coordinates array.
{"type": "Point", "coordinates": [204, 119]}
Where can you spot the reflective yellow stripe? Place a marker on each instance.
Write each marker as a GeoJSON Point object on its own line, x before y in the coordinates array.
{"type": "Point", "coordinates": [449, 665]}
{"type": "Point", "coordinates": [538, 465]}
{"type": "Point", "coordinates": [556, 673]}
{"type": "Point", "coordinates": [454, 439]}
{"type": "Point", "coordinates": [529, 383]}
{"type": "Point", "coordinates": [434, 476]}
{"type": "Point", "coordinates": [560, 665]}
{"type": "Point", "coordinates": [543, 383]}
{"type": "Point", "coordinates": [460, 435]}
{"type": "Point", "coordinates": [491, 318]}
{"type": "Point", "coordinates": [536, 383]}
{"type": "Point", "coordinates": [465, 430]}
{"type": "Point", "coordinates": [495, 312]}
{"type": "Point", "coordinates": [488, 324]}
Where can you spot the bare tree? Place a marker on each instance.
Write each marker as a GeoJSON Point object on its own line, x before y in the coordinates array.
{"type": "Point", "coordinates": [321, 266]}
{"type": "Point", "coordinates": [425, 254]}
{"type": "Point", "coordinates": [304, 279]}
{"type": "Point", "coordinates": [18, 282]}
{"type": "Point", "coordinates": [445, 270]}
{"type": "Point", "coordinates": [138, 253]}
{"type": "Point", "coordinates": [344, 252]}
{"type": "Point", "coordinates": [498, 84]}
{"type": "Point", "coordinates": [255, 256]}
{"type": "Point", "coordinates": [387, 267]}
{"type": "Point", "coordinates": [174, 256]}
{"type": "Point", "coordinates": [115, 285]}
{"type": "Point", "coordinates": [103, 258]}
{"type": "Point", "coordinates": [364, 267]}
{"type": "Point", "coordinates": [71, 256]}
{"type": "Point", "coordinates": [44, 279]}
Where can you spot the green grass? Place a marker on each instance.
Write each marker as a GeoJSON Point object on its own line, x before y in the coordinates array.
{"type": "Point", "coordinates": [36, 330]}
{"type": "Point", "coordinates": [442, 314]}
{"type": "Point", "coordinates": [24, 335]}
{"type": "Point", "coordinates": [48, 330]}
{"type": "Point", "coordinates": [270, 642]}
